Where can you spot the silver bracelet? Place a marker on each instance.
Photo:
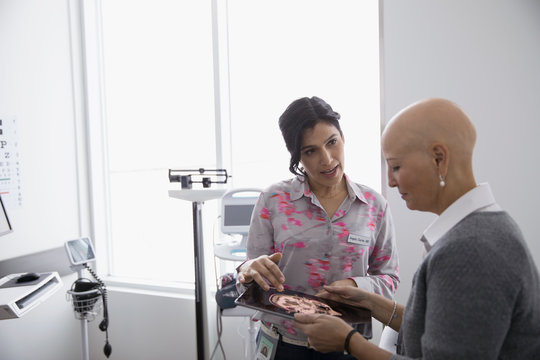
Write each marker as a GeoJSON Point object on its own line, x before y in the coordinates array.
{"type": "Point", "coordinates": [394, 314]}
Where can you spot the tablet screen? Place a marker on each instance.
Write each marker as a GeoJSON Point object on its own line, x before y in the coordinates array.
{"type": "Point", "coordinates": [288, 302]}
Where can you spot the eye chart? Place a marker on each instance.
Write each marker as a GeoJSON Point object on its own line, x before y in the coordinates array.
{"type": "Point", "coordinates": [10, 182]}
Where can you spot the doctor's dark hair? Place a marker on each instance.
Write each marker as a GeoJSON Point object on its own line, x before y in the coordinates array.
{"type": "Point", "coordinates": [302, 114]}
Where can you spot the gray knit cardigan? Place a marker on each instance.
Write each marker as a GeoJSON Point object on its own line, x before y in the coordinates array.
{"type": "Point", "coordinates": [476, 295]}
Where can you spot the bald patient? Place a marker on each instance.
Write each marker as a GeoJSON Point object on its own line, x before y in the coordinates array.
{"type": "Point", "coordinates": [476, 294]}
{"type": "Point", "coordinates": [435, 139]}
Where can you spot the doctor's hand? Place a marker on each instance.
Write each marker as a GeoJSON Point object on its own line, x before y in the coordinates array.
{"type": "Point", "coordinates": [262, 270]}
{"type": "Point", "coordinates": [325, 333]}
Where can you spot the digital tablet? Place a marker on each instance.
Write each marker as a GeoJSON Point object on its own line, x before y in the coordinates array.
{"type": "Point", "coordinates": [287, 302]}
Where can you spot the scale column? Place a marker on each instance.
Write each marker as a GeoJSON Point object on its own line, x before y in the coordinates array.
{"type": "Point", "coordinates": [199, 277]}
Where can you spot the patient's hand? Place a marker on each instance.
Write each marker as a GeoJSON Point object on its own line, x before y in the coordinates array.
{"type": "Point", "coordinates": [325, 333]}
{"type": "Point", "coordinates": [351, 295]}
{"type": "Point", "coordinates": [345, 282]}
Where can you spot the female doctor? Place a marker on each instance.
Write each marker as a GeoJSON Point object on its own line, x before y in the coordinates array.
{"type": "Point", "coordinates": [319, 227]}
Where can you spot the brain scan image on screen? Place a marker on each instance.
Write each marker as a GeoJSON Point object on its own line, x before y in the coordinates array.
{"type": "Point", "coordinates": [298, 304]}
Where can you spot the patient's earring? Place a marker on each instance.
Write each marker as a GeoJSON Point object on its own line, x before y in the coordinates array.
{"type": "Point", "coordinates": [442, 183]}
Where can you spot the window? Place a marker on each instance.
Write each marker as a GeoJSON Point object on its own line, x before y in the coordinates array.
{"type": "Point", "coordinates": [159, 114]}
{"type": "Point", "coordinates": [166, 66]}
{"type": "Point", "coordinates": [283, 50]}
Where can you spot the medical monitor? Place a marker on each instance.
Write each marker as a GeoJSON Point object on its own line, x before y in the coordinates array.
{"type": "Point", "coordinates": [5, 225]}
{"type": "Point", "coordinates": [80, 251]}
{"type": "Point", "coordinates": [236, 209]}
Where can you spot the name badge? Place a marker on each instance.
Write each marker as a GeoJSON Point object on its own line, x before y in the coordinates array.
{"type": "Point", "coordinates": [362, 240]}
{"type": "Point", "coordinates": [266, 346]}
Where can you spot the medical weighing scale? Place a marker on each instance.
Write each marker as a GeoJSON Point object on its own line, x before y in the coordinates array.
{"type": "Point", "coordinates": [197, 198]}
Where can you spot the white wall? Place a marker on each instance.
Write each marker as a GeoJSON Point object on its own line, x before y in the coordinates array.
{"type": "Point", "coordinates": [481, 54]}
{"type": "Point", "coordinates": [147, 326]}
{"type": "Point", "coordinates": [36, 88]}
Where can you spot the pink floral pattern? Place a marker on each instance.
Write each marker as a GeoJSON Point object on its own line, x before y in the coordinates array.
{"type": "Point", "coordinates": [356, 242]}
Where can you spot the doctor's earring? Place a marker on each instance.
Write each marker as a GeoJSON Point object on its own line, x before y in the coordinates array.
{"type": "Point", "coordinates": [442, 183]}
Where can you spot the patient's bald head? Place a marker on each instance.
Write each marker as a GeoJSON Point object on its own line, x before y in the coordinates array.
{"type": "Point", "coordinates": [440, 138]}
{"type": "Point", "coordinates": [433, 120]}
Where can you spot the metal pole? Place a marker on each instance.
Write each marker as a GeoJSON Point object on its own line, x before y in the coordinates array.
{"type": "Point", "coordinates": [84, 332]}
{"type": "Point", "coordinates": [199, 277]}
{"type": "Point", "coordinates": [252, 335]}
{"type": "Point", "coordinates": [84, 325]}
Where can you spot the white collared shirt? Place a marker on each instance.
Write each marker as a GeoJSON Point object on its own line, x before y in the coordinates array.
{"type": "Point", "coordinates": [478, 199]}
